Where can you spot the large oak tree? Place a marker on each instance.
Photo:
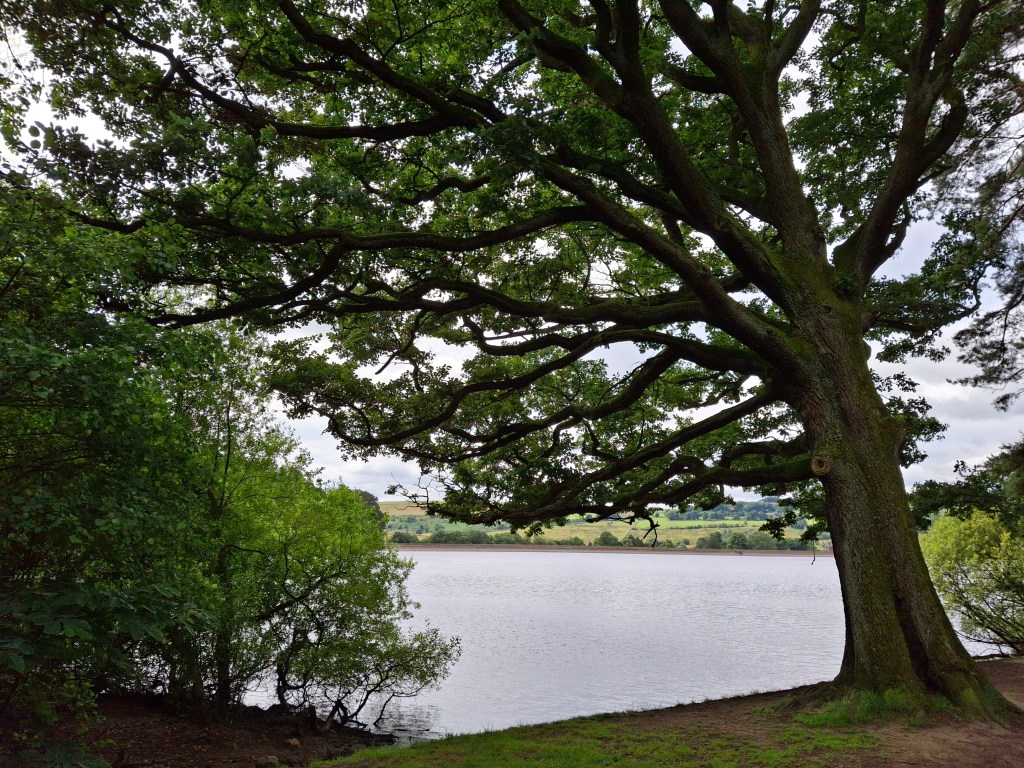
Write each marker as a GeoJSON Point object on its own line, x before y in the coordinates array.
{"type": "Point", "coordinates": [714, 188]}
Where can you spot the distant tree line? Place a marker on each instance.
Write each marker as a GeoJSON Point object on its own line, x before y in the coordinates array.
{"type": "Point", "coordinates": [478, 536]}
{"type": "Point", "coordinates": [761, 540]}
{"type": "Point", "coordinates": [715, 540]}
{"type": "Point", "coordinates": [764, 509]}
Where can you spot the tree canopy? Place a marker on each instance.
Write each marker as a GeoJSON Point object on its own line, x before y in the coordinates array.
{"type": "Point", "coordinates": [652, 234]}
{"type": "Point", "coordinates": [90, 465]}
{"type": "Point", "coordinates": [994, 488]}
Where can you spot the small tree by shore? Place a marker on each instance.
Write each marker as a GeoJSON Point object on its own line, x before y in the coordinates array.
{"type": "Point", "coordinates": [975, 547]}
{"type": "Point", "coordinates": [978, 568]}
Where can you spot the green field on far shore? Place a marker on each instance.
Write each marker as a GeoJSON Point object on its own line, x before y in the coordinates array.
{"type": "Point", "coordinates": [410, 518]}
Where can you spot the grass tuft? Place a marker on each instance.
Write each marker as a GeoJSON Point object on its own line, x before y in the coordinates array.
{"type": "Point", "coordinates": [861, 707]}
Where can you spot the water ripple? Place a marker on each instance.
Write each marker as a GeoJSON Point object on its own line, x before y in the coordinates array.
{"type": "Point", "coordinates": [550, 635]}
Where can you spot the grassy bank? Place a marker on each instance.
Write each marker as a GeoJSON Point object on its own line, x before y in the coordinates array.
{"type": "Point", "coordinates": [741, 732]}
{"type": "Point", "coordinates": [642, 739]}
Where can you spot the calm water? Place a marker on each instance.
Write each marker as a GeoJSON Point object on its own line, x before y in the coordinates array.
{"type": "Point", "coordinates": [549, 635]}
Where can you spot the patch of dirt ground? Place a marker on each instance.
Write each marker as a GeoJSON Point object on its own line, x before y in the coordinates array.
{"type": "Point", "coordinates": [956, 743]}
{"type": "Point", "coordinates": [943, 742]}
{"type": "Point", "coordinates": [139, 733]}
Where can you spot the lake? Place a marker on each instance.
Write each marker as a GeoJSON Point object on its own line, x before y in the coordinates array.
{"type": "Point", "coordinates": [548, 635]}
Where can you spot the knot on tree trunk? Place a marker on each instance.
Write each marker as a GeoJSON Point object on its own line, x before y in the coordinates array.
{"type": "Point", "coordinates": [821, 465]}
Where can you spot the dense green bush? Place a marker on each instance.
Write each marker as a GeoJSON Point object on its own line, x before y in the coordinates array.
{"type": "Point", "coordinates": [738, 540]}
{"type": "Point", "coordinates": [573, 541]}
{"type": "Point", "coordinates": [977, 564]}
{"type": "Point", "coordinates": [459, 537]}
{"type": "Point", "coordinates": [713, 540]}
{"type": "Point", "coordinates": [96, 488]}
{"type": "Point", "coordinates": [509, 538]}
{"type": "Point", "coordinates": [158, 531]}
{"type": "Point", "coordinates": [404, 537]}
{"type": "Point", "coordinates": [762, 540]}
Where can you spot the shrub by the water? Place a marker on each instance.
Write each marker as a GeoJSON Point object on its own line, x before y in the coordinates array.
{"type": "Point", "coordinates": [607, 539]}
{"type": "Point", "coordinates": [404, 537]}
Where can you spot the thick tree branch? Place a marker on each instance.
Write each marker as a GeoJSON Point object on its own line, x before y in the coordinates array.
{"type": "Point", "coordinates": [562, 501]}
{"type": "Point", "coordinates": [792, 471]}
{"type": "Point", "coordinates": [920, 143]}
{"type": "Point", "coordinates": [792, 38]}
{"type": "Point", "coordinates": [692, 82]}
{"type": "Point", "coordinates": [711, 357]}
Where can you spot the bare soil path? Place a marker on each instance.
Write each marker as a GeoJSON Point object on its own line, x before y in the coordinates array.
{"type": "Point", "coordinates": [945, 742]}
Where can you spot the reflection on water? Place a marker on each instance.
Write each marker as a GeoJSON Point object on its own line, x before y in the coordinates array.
{"type": "Point", "coordinates": [549, 635]}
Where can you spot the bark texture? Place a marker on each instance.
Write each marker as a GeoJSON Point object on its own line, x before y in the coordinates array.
{"type": "Point", "coordinates": [897, 633]}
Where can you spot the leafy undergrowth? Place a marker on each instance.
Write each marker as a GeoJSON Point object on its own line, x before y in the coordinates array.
{"type": "Point", "coordinates": [624, 740]}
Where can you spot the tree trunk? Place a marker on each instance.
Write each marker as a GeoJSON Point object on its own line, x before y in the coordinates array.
{"type": "Point", "coordinates": [223, 636]}
{"type": "Point", "coordinates": [897, 633]}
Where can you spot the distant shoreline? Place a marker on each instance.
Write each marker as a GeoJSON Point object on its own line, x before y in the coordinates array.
{"type": "Point", "coordinates": [610, 550]}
